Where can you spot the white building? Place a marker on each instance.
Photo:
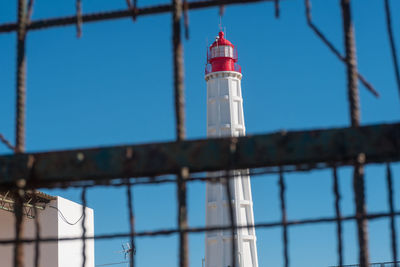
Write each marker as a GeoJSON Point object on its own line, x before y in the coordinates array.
{"type": "Point", "coordinates": [225, 118]}
{"type": "Point", "coordinates": [58, 218]}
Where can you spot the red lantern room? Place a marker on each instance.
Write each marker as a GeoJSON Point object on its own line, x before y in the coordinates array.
{"type": "Point", "coordinates": [222, 56]}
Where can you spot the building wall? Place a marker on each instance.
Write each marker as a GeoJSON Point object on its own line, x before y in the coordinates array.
{"type": "Point", "coordinates": [52, 254]}
{"type": "Point", "coordinates": [70, 252]}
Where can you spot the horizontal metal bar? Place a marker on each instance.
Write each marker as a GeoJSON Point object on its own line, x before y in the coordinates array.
{"type": "Point", "coordinates": [167, 232]}
{"type": "Point", "coordinates": [339, 146]}
{"type": "Point", "coordinates": [125, 13]}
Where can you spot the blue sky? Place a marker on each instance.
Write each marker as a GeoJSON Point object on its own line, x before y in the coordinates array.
{"type": "Point", "coordinates": [114, 86]}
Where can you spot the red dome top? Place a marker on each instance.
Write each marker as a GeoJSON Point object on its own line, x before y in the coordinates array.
{"type": "Point", "coordinates": [222, 56]}
{"type": "Point", "coordinates": [221, 40]}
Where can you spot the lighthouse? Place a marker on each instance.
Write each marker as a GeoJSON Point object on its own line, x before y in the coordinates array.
{"type": "Point", "coordinates": [225, 118]}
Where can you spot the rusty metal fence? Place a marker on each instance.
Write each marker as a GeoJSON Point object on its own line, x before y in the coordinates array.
{"type": "Point", "coordinates": [280, 153]}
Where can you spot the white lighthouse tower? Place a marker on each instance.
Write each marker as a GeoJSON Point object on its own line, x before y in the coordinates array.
{"type": "Point", "coordinates": [225, 118]}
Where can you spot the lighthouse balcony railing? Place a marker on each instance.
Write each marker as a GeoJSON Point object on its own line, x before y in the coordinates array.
{"type": "Point", "coordinates": [208, 68]}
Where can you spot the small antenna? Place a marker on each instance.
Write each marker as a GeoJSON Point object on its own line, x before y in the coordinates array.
{"type": "Point", "coordinates": [220, 23]}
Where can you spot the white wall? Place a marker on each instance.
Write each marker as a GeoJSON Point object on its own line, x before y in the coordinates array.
{"type": "Point", "coordinates": [52, 254]}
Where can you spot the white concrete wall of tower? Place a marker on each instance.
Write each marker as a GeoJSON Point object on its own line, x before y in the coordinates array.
{"type": "Point", "coordinates": [225, 118]}
{"type": "Point", "coordinates": [52, 254]}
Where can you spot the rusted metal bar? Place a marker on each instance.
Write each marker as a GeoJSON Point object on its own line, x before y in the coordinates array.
{"type": "Point", "coordinates": [182, 217]}
{"type": "Point", "coordinates": [21, 78]}
{"type": "Point", "coordinates": [333, 49]}
{"type": "Point", "coordinates": [131, 225]}
{"type": "Point", "coordinates": [166, 232]}
{"type": "Point", "coordinates": [355, 116]}
{"type": "Point", "coordinates": [93, 17]}
{"type": "Point", "coordinates": [180, 128]}
{"type": "Point", "coordinates": [232, 224]}
{"type": "Point", "coordinates": [78, 18]}
{"type": "Point", "coordinates": [392, 43]}
{"type": "Point", "coordinates": [379, 143]}
{"type": "Point", "coordinates": [19, 230]}
{"type": "Point", "coordinates": [285, 239]}
{"type": "Point", "coordinates": [20, 129]}
{"type": "Point", "coordinates": [391, 209]}
{"type": "Point", "coordinates": [83, 224]}
{"type": "Point", "coordinates": [228, 182]}
{"type": "Point", "coordinates": [338, 214]}
{"type": "Point", "coordinates": [37, 233]}
{"type": "Point", "coordinates": [178, 70]}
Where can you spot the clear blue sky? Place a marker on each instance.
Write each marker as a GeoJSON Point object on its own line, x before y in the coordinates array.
{"type": "Point", "coordinates": [114, 86]}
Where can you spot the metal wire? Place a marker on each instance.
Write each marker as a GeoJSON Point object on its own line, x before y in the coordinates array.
{"type": "Point", "coordinates": [83, 224]}
{"type": "Point", "coordinates": [392, 43]}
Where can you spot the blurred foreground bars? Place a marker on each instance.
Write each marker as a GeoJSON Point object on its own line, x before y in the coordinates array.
{"type": "Point", "coordinates": [302, 149]}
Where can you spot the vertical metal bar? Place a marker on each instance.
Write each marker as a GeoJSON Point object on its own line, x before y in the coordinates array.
{"type": "Point", "coordinates": [83, 199]}
{"type": "Point", "coordinates": [131, 224]}
{"type": "Point", "coordinates": [282, 190]}
{"type": "Point", "coordinates": [178, 70]}
{"type": "Point", "coordinates": [354, 101]}
{"type": "Point", "coordinates": [391, 208]}
{"type": "Point", "coordinates": [226, 182]}
{"type": "Point", "coordinates": [21, 78]}
{"type": "Point", "coordinates": [180, 128]}
{"type": "Point", "coordinates": [392, 43]}
{"type": "Point", "coordinates": [182, 217]}
{"type": "Point", "coordinates": [78, 18]}
{"type": "Point", "coordinates": [338, 217]}
{"type": "Point", "coordinates": [19, 228]}
{"type": "Point", "coordinates": [37, 231]}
